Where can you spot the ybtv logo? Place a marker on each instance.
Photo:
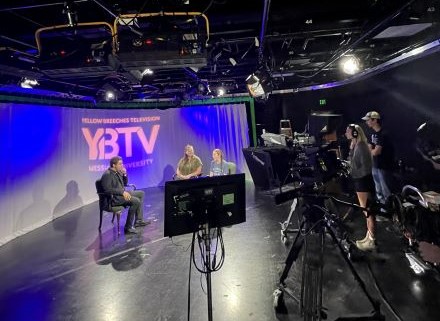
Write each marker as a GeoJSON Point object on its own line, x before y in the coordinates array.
{"type": "Point", "coordinates": [104, 143]}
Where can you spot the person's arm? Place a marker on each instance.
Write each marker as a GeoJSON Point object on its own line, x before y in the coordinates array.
{"type": "Point", "coordinates": [379, 142]}
{"type": "Point", "coordinates": [107, 184]}
{"type": "Point", "coordinates": [178, 172]}
{"type": "Point", "coordinates": [198, 169]}
{"type": "Point", "coordinates": [197, 172]}
{"type": "Point", "coordinates": [365, 159]}
{"type": "Point", "coordinates": [377, 150]}
{"type": "Point", "coordinates": [211, 172]}
{"type": "Point", "coordinates": [124, 176]}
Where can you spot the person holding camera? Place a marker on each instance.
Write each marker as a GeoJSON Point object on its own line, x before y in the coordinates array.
{"type": "Point", "coordinates": [361, 164]}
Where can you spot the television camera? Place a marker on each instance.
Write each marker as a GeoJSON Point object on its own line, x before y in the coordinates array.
{"type": "Point", "coordinates": [312, 167]}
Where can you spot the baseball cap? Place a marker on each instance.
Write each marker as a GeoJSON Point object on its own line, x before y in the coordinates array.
{"type": "Point", "coordinates": [371, 115]}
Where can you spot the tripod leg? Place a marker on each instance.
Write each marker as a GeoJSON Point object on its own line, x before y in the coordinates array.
{"type": "Point", "coordinates": [311, 286]}
{"type": "Point", "coordinates": [293, 255]}
{"type": "Point", "coordinates": [286, 223]}
{"type": "Point", "coordinates": [376, 305]}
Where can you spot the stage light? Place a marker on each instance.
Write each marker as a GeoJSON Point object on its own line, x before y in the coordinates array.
{"type": "Point", "coordinates": [147, 71]}
{"type": "Point", "coordinates": [259, 84]}
{"type": "Point", "coordinates": [221, 91]}
{"type": "Point", "coordinates": [203, 88]}
{"type": "Point", "coordinates": [350, 65]}
{"type": "Point", "coordinates": [110, 95]}
{"type": "Point", "coordinates": [69, 10]}
{"type": "Point", "coordinates": [28, 83]}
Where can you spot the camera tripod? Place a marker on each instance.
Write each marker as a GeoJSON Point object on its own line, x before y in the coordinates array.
{"type": "Point", "coordinates": [311, 235]}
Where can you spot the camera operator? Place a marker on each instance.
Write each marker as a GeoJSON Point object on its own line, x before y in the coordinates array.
{"type": "Point", "coordinates": [361, 172]}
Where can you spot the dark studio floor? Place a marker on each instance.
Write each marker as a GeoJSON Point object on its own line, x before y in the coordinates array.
{"type": "Point", "coordinates": [66, 270]}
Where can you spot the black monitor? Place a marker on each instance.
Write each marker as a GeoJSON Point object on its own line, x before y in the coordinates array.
{"type": "Point", "coordinates": [218, 201]}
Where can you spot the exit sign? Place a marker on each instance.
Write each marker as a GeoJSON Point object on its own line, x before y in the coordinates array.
{"type": "Point", "coordinates": [322, 102]}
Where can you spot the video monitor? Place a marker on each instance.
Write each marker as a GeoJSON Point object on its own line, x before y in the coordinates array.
{"type": "Point", "coordinates": [218, 201]}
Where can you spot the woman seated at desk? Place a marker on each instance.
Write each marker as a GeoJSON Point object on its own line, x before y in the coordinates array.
{"type": "Point", "coordinates": [218, 165]}
{"type": "Point", "coordinates": [190, 165]}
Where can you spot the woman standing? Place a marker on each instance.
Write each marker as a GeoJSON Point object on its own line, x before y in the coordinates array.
{"type": "Point", "coordinates": [218, 165]}
{"type": "Point", "coordinates": [189, 165]}
{"type": "Point", "coordinates": [361, 171]}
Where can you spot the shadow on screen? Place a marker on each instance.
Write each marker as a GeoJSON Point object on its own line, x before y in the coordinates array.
{"type": "Point", "coordinates": [217, 201]}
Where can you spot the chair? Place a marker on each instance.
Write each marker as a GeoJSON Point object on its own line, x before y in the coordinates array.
{"type": "Point", "coordinates": [105, 204]}
{"type": "Point", "coordinates": [232, 168]}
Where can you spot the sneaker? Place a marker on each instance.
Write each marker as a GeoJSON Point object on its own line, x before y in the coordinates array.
{"type": "Point", "coordinates": [141, 223]}
{"type": "Point", "coordinates": [368, 245]}
{"type": "Point", "coordinates": [130, 230]}
{"type": "Point", "coordinates": [364, 239]}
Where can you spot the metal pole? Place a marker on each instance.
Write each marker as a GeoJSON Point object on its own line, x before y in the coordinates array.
{"type": "Point", "coordinates": [263, 30]}
{"type": "Point", "coordinates": [207, 239]}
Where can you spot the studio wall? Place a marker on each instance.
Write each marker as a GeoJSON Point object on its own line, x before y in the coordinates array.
{"type": "Point", "coordinates": [52, 155]}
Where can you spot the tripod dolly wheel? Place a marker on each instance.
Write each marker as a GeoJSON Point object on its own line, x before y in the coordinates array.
{"type": "Point", "coordinates": [284, 238]}
{"type": "Point", "coordinates": [278, 299]}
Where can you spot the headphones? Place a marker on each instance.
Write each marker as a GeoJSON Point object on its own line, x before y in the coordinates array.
{"type": "Point", "coordinates": [354, 131]}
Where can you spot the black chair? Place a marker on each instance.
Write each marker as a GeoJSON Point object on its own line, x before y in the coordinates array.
{"type": "Point", "coordinates": [105, 201]}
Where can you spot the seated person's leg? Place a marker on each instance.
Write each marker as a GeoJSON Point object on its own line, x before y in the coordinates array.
{"type": "Point", "coordinates": [138, 197]}
{"type": "Point", "coordinates": [133, 206]}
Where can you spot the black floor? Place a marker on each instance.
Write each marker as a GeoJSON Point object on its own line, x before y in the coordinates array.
{"type": "Point", "coordinates": [66, 270]}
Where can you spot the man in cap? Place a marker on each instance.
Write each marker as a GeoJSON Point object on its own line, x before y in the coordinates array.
{"type": "Point", "coordinates": [383, 156]}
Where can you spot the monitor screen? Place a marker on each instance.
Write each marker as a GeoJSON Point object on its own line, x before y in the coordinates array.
{"type": "Point", "coordinates": [218, 201]}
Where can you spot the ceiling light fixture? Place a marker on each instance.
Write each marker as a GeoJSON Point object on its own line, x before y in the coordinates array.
{"type": "Point", "coordinates": [203, 88]}
{"type": "Point", "coordinates": [28, 83]}
{"type": "Point", "coordinates": [72, 17]}
{"type": "Point", "coordinates": [259, 84]}
{"type": "Point", "coordinates": [110, 95]}
{"type": "Point", "coordinates": [221, 91]}
{"type": "Point", "coordinates": [350, 65]}
{"type": "Point", "coordinates": [147, 71]}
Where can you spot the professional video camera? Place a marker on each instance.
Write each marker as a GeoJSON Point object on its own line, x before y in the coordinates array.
{"type": "Point", "coordinates": [312, 167]}
{"type": "Point", "coordinates": [317, 164]}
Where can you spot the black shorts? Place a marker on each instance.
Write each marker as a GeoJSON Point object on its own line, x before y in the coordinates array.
{"type": "Point", "coordinates": [364, 184]}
